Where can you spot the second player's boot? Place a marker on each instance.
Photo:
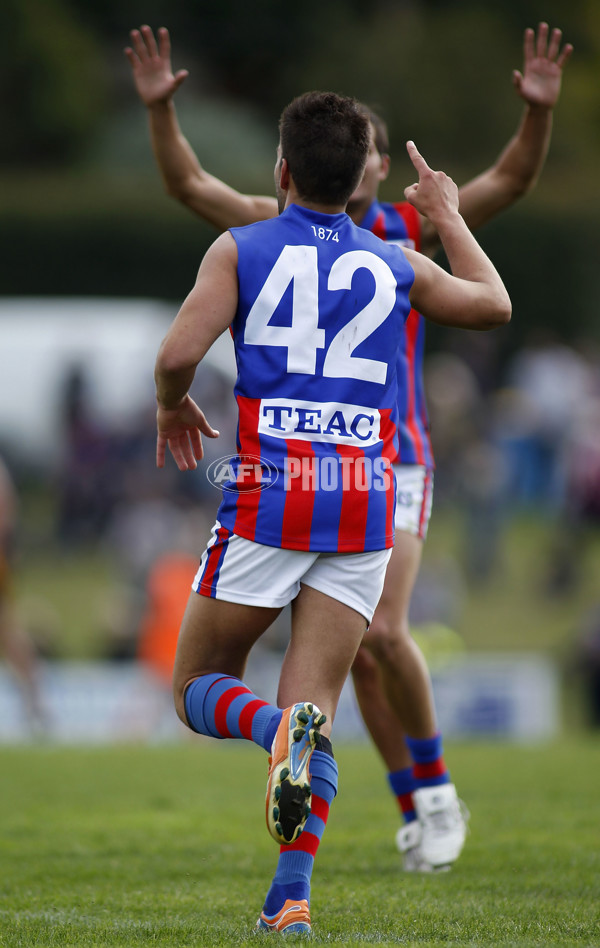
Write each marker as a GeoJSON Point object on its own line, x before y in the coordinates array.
{"type": "Point", "coordinates": [408, 841]}
{"type": "Point", "coordinates": [443, 819]}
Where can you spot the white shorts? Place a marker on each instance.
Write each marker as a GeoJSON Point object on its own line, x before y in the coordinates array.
{"type": "Point", "coordinates": [239, 570]}
{"type": "Point", "coordinates": [414, 497]}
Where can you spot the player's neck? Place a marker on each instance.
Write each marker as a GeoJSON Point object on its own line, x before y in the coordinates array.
{"type": "Point", "coordinates": [356, 210]}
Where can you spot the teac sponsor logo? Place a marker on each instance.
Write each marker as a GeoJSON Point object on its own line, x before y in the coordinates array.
{"type": "Point", "coordinates": [333, 422]}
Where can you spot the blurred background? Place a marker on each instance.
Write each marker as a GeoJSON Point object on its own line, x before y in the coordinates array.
{"type": "Point", "coordinates": [95, 260]}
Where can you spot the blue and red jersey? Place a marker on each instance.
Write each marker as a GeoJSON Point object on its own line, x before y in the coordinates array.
{"type": "Point", "coordinates": [400, 224]}
{"type": "Point", "coordinates": [321, 313]}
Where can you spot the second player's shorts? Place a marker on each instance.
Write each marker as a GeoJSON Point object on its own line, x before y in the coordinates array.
{"type": "Point", "coordinates": [414, 496]}
{"type": "Point", "coordinates": [239, 570]}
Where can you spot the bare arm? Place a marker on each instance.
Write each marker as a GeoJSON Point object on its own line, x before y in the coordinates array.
{"type": "Point", "coordinates": [183, 176]}
{"type": "Point", "coordinates": [519, 165]}
{"type": "Point", "coordinates": [206, 312]}
{"type": "Point", "coordinates": [473, 296]}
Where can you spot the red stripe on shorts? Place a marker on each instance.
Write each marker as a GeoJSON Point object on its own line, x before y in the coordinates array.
{"type": "Point", "coordinates": [214, 559]}
{"type": "Point", "coordinates": [425, 503]}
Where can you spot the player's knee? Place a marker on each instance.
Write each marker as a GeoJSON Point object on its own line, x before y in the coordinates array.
{"type": "Point", "coordinates": [179, 702]}
{"type": "Point", "coordinates": [364, 663]}
{"type": "Point", "coordinates": [385, 637]}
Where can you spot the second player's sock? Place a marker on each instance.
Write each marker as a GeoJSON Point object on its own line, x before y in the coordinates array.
{"type": "Point", "coordinates": [403, 784]}
{"type": "Point", "coordinates": [429, 769]}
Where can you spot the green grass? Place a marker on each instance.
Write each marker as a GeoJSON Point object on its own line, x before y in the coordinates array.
{"type": "Point", "coordinates": [166, 846]}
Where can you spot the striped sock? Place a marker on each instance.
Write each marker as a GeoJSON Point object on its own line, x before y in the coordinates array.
{"type": "Point", "coordinates": [429, 769]}
{"type": "Point", "coordinates": [403, 783]}
{"type": "Point", "coordinates": [222, 706]}
{"type": "Point", "coordinates": [295, 865]}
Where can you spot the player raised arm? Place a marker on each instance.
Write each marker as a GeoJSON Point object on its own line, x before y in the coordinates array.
{"type": "Point", "coordinates": [473, 296]}
{"type": "Point", "coordinates": [519, 165]}
{"type": "Point", "coordinates": [183, 176]}
{"type": "Point", "coordinates": [205, 313]}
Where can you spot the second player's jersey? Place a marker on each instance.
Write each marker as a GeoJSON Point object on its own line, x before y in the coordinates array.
{"type": "Point", "coordinates": [400, 224]}
{"type": "Point", "coordinates": [322, 306]}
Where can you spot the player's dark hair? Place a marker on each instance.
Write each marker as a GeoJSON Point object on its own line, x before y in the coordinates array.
{"type": "Point", "coordinates": [325, 141]}
{"type": "Point", "coordinates": [382, 139]}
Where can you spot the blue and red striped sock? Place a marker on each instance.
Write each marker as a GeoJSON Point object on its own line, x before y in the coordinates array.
{"type": "Point", "coordinates": [429, 769]}
{"type": "Point", "coordinates": [403, 784]}
{"type": "Point", "coordinates": [295, 865]}
{"type": "Point", "coordinates": [222, 706]}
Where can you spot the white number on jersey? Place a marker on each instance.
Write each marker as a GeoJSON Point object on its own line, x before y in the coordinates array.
{"type": "Point", "coordinates": [298, 265]}
{"type": "Point", "coordinates": [339, 361]}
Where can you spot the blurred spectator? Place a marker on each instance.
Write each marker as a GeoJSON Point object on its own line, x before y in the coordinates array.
{"type": "Point", "coordinates": [588, 665]}
{"type": "Point", "coordinates": [86, 487]}
{"type": "Point", "coordinates": [583, 462]}
{"type": "Point", "coordinates": [15, 644]}
{"type": "Point", "coordinates": [482, 494]}
{"type": "Point", "coordinates": [160, 580]}
{"type": "Point", "coordinates": [548, 382]}
{"type": "Point", "coordinates": [580, 515]}
{"type": "Point", "coordinates": [455, 403]}
{"type": "Point", "coordinates": [471, 471]}
{"type": "Point", "coordinates": [167, 592]}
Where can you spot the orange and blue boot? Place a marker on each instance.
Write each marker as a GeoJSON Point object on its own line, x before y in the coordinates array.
{"type": "Point", "coordinates": [288, 786]}
{"type": "Point", "coordinates": [292, 919]}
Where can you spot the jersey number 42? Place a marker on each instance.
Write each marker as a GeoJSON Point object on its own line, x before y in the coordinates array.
{"type": "Point", "coordinates": [303, 337]}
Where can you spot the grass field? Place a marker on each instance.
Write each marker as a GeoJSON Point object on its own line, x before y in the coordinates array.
{"type": "Point", "coordinates": [166, 846]}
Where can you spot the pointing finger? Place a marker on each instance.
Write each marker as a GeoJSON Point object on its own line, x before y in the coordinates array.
{"type": "Point", "coordinates": [416, 157]}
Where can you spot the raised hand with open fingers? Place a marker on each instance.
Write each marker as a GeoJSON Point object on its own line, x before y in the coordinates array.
{"type": "Point", "coordinates": [151, 65]}
{"type": "Point", "coordinates": [543, 62]}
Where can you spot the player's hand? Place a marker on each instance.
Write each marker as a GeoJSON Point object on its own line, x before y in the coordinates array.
{"type": "Point", "coordinates": [435, 193]}
{"type": "Point", "coordinates": [180, 429]}
{"type": "Point", "coordinates": [539, 83]}
{"type": "Point", "coordinates": [151, 66]}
